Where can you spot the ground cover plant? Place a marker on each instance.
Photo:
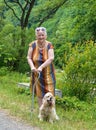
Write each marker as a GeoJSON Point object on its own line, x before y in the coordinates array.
{"type": "Point", "coordinates": [74, 114]}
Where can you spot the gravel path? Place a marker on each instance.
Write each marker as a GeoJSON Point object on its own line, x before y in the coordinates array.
{"type": "Point", "coordinates": [9, 123]}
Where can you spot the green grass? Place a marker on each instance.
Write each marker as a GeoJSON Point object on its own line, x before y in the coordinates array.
{"type": "Point", "coordinates": [19, 105]}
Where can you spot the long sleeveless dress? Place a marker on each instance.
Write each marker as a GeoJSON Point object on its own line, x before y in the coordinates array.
{"type": "Point", "coordinates": [47, 81]}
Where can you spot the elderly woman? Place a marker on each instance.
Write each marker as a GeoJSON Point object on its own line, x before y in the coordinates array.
{"type": "Point", "coordinates": [40, 59]}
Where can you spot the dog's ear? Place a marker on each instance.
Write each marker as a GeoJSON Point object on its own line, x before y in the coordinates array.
{"type": "Point", "coordinates": [44, 98]}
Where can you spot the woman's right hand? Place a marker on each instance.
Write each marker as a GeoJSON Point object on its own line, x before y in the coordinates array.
{"type": "Point", "coordinates": [33, 69]}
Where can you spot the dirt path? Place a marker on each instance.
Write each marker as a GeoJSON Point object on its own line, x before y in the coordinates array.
{"type": "Point", "coordinates": [9, 123]}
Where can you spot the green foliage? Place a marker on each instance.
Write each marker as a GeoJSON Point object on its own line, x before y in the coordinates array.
{"type": "Point", "coordinates": [22, 90]}
{"type": "Point", "coordinates": [71, 103]}
{"type": "Point", "coordinates": [62, 54]}
{"type": "Point", "coordinates": [44, 10]}
{"type": "Point", "coordinates": [23, 65]}
{"type": "Point", "coordinates": [60, 81]}
{"type": "Point", "coordinates": [80, 70]}
{"type": "Point", "coordinates": [4, 71]}
{"type": "Point", "coordinates": [8, 46]}
{"type": "Point", "coordinates": [77, 21]}
{"type": "Point", "coordinates": [72, 22]}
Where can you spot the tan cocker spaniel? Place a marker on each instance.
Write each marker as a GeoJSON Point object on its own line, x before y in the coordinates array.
{"type": "Point", "coordinates": [47, 110]}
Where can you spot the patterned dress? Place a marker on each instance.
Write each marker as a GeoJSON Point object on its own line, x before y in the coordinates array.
{"type": "Point", "coordinates": [46, 82]}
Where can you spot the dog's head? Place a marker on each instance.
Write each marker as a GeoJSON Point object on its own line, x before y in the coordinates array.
{"type": "Point", "coordinates": [49, 99]}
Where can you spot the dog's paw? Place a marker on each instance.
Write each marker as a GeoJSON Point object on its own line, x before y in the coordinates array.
{"type": "Point", "coordinates": [51, 121]}
{"type": "Point", "coordinates": [40, 118]}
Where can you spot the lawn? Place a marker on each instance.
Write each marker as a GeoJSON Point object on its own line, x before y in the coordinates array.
{"type": "Point", "coordinates": [18, 104]}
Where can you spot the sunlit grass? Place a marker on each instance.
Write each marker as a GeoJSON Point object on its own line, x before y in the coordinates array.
{"type": "Point", "coordinates": [19, 105]}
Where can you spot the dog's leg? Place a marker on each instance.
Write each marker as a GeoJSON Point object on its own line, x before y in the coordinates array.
{"type": "Point", "coordinates": [55, 115]}
{"type": "Point", "coordinates": [41, 116]}
{"type": "Point", "coordinates": [57, 118]}
{"type": "Point", "coordinates": [51, 121]}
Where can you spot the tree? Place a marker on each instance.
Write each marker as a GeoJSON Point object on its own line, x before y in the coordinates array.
{"type": "Point", "coordinates": [78, 21]}
{"type": "Point", "coordinates": [1, 15]}
{"type": "Point", "coordinates": [26, 7]}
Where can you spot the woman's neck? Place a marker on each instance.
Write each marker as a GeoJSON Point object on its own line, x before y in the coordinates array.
{"type": "Point", "coordinates": [41, 45]}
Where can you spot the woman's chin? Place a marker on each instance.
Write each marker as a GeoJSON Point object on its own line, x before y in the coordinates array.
{"type": "Point", "coordinates": [41, 41]}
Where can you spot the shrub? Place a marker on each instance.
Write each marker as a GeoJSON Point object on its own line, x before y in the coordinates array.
{"type": "Point", "coordinates": [80, 70]}
{"type": "Point", "coordinates": [3, 71]}
{"type": "Point", "coordinates": [62, 54]}
{"type": "Point", "coordinates": [71, 103]}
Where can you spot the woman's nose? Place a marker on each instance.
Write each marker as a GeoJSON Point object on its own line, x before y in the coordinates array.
{"type": "Point", "coordinates": [41, 36]}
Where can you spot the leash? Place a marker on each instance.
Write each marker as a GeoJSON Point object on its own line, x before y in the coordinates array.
{"type": "Point", "coordinates": [33, 88]}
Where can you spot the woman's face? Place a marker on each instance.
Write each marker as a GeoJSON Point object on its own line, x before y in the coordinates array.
{"type": "Point", "coordinates": [41, 36]}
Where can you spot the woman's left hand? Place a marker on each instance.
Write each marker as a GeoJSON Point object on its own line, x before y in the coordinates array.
{"type": "Point", "coordinates": [39, 69]}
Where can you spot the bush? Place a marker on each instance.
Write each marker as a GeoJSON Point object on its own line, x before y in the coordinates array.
{"type": "Point", "coordinates": [71, 103]}
{"type": "Point", "coordinates": [22, 90]}
{"type": "Point", "coordinates": [62, 54]}
{"type": "Point", "coordinates": [80, 70]}
{"type": "Point", "coordinates": [3, 71]}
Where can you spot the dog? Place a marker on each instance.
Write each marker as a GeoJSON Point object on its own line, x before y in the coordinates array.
{"type": "Point", "coordinates": [47, 110]}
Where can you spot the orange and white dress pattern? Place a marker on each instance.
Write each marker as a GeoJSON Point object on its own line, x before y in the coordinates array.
{"type": "Point", "coordinates": [47, 81]}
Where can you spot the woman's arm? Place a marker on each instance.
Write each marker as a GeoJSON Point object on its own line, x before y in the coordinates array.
{"type": "Point", "coordinates": [48, 61]}
{"type": "Point", "coordinates": [29, 58]}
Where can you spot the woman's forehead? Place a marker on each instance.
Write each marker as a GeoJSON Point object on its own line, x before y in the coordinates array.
{"type": "Point", "coordinates": [41, 33]}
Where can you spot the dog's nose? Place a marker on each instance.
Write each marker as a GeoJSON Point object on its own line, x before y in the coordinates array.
{"type": "Point", "coordinates": [50, 98]}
